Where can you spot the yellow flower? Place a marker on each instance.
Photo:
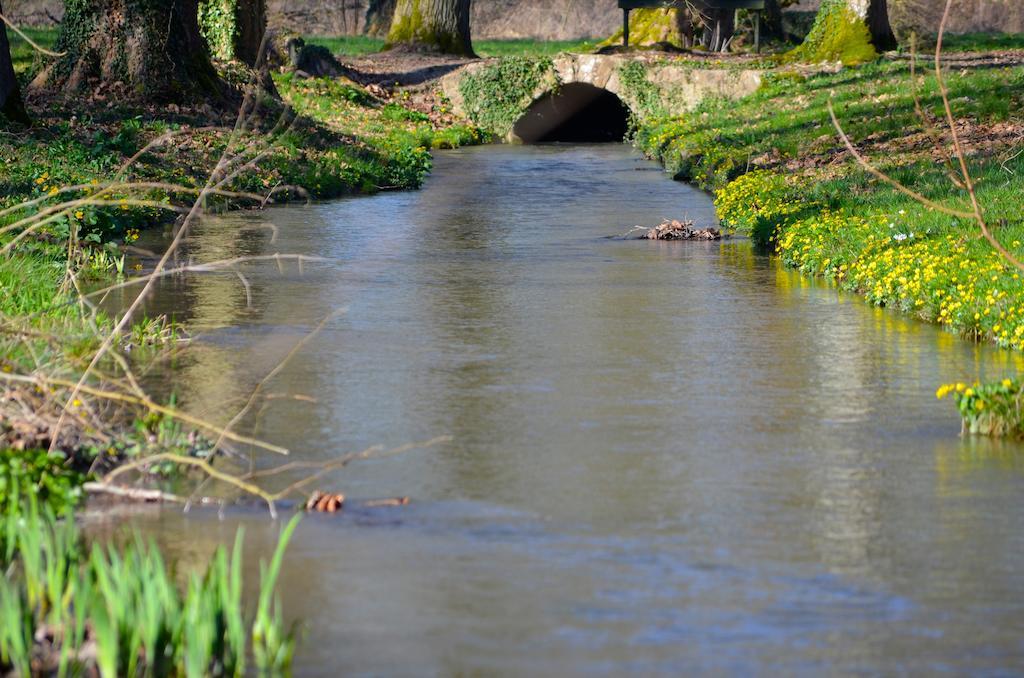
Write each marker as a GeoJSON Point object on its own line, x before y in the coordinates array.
{"type": "Point", "coordinates": [968, 393]}
{"type": "Point", "coordinates": [1007, 383]}
{"type": "Point", "coordinates": [79, 214]}
{"type": "Point", "coordinates": [76, 403]}
{"type": "Point", "coordinates": [979, 405]}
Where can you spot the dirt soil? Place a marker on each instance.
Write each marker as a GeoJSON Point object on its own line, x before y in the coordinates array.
{"type": "Point", "coordinates": [399, 68]}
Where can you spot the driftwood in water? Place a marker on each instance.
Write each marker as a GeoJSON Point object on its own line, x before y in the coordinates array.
{"type": "Point", "coordinates": [325, 502]}
{"type": "Point", "coordinates": [680, 230]}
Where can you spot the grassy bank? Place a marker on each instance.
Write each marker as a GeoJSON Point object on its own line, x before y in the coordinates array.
{"type": "Point", "coordinates": [77, 189]}
{"type": "Point", "coordinates": [76, 192]}
{"type": "Point", "coordinates": [780, 173]}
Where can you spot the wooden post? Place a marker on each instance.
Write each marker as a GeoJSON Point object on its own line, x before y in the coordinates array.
{"type": "Point", "coordinates": [625, 27]}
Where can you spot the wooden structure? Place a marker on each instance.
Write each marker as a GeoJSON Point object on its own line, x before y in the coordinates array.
{"type": "Point", "coordinates": [757, 6]}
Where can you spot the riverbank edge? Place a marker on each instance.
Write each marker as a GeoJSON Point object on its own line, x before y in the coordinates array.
{"type": "Point", "coordinates": [344, 139]}
{"type": "Point", "coordinates": [923, 279]}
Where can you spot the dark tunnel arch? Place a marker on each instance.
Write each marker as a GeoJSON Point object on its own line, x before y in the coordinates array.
{"type": "Point", "coordinates": [577, 112]}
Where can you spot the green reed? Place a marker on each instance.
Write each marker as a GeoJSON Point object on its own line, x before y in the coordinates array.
{"type": "Point", "coordinates": [68, 610]}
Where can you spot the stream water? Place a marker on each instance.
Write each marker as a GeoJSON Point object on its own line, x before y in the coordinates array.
{"type": "Point", "coordinates": [665, 458]}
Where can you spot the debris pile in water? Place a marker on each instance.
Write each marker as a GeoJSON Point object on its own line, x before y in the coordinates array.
{"type": "Point", "coordinates": [680, 230]}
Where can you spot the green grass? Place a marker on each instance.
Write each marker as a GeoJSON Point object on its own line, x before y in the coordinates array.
{"type": "Point", "coordinates": [26, 60]}
{"type": "Point", "coordinates": [982, 42]}
{"type": "Point", "coordinates": [40, 478]}
{"type": "Point", "coordinates": [780, 173]}
{"type": "Point", "coordinates": [787, 119]}
{"type": "Point", "coordinates": [348, 45]}
{"type": "Point", "coordinates": [359, 45]}
{"type": "Point", "coordinates": [127, 604]}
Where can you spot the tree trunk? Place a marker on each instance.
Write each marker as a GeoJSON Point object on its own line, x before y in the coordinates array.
{"type": "Point", "coordinates": [875, 13]}
{"type": "Point", "coordinates": [882, 36]}
{"type": "Point", "coordinates": [145, 51]}
{"type": "Point", "coordinates": [771, 21]}
{"type": "Point", "coordinates": [435, 25]}
{"type": "Point", "coordinates": [251, 23]}
{"type": "Point", "coordinates": [719, 26]}
{"type": "Point", "coordinates": [840, 33]}
{"type": "Point", "coordinates": [234, 29]}
{"type": "Point", "coordinates": [379, 15]}
{"type": "Point", "coordinates": [10, 93]}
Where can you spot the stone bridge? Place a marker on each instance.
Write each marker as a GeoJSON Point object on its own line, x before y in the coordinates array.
{"type": "Point", "coordinates": [589, 97]}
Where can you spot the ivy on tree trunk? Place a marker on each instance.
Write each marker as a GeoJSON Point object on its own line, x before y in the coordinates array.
{"type": "Point", "coordinates": [434, 25]}
{"type": "Point", "coordinates": [10, 93]}
{"type": "Point", "coordinates": [147, 50]}
{"type": "Point", "coordinates": [234, 29]}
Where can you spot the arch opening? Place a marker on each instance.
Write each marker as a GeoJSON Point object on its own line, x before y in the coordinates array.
{"type": "Point", "coordinates": [578, 112]}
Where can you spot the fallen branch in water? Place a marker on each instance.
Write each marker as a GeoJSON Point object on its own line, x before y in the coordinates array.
{"type": "Point", "coordinates": [132, 493]}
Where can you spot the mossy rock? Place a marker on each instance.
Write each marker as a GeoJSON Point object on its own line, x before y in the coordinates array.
{"type": "Point", "coordinates": [650, 27]}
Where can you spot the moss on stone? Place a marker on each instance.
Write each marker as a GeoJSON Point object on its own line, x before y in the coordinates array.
{"type": "Point", "coordinates": [644, 97]}
{"type": "Point", "coordinates": [497, 95]}
{"type": "Point", "coordinates": [649, 27]}
{"type": "Point", "coordinates": [838, 34]}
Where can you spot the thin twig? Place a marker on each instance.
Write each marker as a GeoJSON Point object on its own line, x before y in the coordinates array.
{"type": "Point", "coordinates": [958, 148]}
{"type": "Point", "coordinates": [145, 402]}
{"type": "Point", "coordinates": [886, 178]}
{"type": "Point", "coordinates": [30, 41]}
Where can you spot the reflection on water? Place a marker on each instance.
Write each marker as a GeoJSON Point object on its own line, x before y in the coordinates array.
{"type": "Point", "coordinates": [665, 457]}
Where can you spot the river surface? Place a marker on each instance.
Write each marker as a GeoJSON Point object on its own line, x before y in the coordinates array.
{"type": "Point", "coordinates": [665, 458]}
